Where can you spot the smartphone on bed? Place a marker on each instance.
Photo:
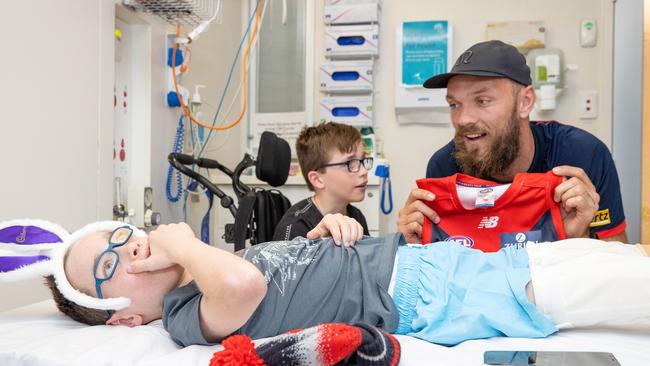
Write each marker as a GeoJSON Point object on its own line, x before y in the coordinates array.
{"type": "Point", "coordinates": [549, 358]}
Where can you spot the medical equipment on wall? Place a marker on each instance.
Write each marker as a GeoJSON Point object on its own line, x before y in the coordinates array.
{"type": "Point", "coordinates": [195, 15]}
{"type": "Point", "coordinates": [353, 110]}
{"type": "Point", "coordinates": [198, 13]}
{"type": "Point", "coordinates": [195, 102]}
{"type": "Point", "coordinates": [383, 171]}
{"type": "Point", "coordinates": [175, 66]}
{"type": "Point", "coordinates": [255, 18]}
{"type": "Point", "coordinates": [257, 15]}
{"type": "Point", "coordinates": [352, 41]}
{"type": "Point", "coordinates": [360, 41]}
{"type": "Point", "coordinates": [352, 13]}
{"type": "Point", "coordinates": [143, 216]}
{"type": "Point", "coordinates": [346, 77]}
{"type": "Point", "coordinates": [547, 71]}
{"type": "Point", "coordinates": [423, 50]}
{"type": "Point", "coordinates": [119, 210]}
{"type": "Point", "coordinates": [132, 154]}
{"type": "Point", "coordinates": [177, 148]}
{"type": "Point", "coordinates": [197, 138]}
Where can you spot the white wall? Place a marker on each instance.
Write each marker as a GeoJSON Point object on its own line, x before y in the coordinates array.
{"type": "Point", "coordinates": [57, 118]}
{"type": "Point", "coordinates": [408, 147]}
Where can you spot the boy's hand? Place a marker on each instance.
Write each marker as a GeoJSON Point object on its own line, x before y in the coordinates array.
{"type": "Point", "coordinates": [411, 217]}
{"type": "Point", "coordinates": [166, 243]}
{"type": "Point", "coordinates": [343, 229]}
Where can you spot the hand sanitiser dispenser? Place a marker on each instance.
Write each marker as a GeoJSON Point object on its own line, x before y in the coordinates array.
{"type": "Point", "coordinates": [547, 69]}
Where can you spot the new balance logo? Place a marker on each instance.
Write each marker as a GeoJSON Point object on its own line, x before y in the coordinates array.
{"type": "Point", "coordinates": [488, 222]}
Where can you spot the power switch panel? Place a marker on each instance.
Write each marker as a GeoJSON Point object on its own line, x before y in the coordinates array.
{"type": "Point", "coordinates": [588, 104]}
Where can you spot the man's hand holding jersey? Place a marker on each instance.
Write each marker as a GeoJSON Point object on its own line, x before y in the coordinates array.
{"type": "Point", "coordinates": [577, 197]}
{"type": "Point", "coordinates": [412, 216]}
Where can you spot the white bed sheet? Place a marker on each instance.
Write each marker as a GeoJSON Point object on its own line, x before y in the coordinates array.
{"type": "Point", "coordinates": [38, 335]}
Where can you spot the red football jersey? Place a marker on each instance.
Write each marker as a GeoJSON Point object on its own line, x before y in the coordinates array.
{"type": "Point", "coordinates": [524, 213]}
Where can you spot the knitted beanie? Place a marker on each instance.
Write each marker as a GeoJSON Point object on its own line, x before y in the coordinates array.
{"type": "Point", "coordinates": [324, 344]}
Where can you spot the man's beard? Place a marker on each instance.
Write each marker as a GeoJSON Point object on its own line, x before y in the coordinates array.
{"type": "Point", "coordinates": [501, 153]}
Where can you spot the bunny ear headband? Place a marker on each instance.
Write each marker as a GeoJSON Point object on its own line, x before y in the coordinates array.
{"type": "Point", "coordinates": [34, 248]}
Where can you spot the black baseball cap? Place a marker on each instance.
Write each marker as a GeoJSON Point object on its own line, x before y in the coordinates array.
{"type": "Point", "coordinates": [490, 58]}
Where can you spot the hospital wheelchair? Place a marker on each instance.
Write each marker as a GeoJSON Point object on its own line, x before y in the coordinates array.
{"type": "Point", "coordinates": [259, 210]}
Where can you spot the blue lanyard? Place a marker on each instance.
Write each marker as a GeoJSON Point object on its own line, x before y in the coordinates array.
{"type": "Point", "coordinates": [385, 186]}
{"type": "Point", "coordinates": [383, 171]}
{"type": "Point", "coordinates": [205, 223]}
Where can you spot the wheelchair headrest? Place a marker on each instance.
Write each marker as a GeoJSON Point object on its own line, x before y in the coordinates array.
{"type": "Point", "coordinates": [273, 159]}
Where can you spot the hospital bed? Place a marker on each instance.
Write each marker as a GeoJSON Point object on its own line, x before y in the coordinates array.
{"type": "Point", "coordinates": [38, 334]}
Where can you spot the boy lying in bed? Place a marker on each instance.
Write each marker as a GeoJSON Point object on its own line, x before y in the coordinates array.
{"type": "Point", "coordinates": [443, 293]}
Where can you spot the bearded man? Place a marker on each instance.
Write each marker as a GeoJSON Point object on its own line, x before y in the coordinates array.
{"type": "Point", "coordinates": [490, 99]}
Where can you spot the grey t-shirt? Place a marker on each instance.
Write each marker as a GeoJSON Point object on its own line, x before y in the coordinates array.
{"type": "Point", "coordinates": [309, 282]}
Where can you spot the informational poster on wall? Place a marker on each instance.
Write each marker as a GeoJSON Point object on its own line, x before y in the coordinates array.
{"type": "Point", "coordinates": [285, 125]}
{"type": "Point", "coordinates": [425, 50]}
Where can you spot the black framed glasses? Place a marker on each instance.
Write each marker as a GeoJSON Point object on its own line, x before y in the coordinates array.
{"type": "Point", "coordinates": [107, 261]}
{"type": "Point", "coordinates": [353, 165]}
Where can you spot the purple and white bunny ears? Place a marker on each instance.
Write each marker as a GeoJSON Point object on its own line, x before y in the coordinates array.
{"type": "Point", "coordinates": [35, 248]}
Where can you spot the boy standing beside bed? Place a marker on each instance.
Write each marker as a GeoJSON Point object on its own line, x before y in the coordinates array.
{"type": "Point", "coordinates": [335, 168]}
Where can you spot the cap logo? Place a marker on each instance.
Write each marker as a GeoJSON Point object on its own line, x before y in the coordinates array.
{"type": "Point", "coordinates": [464, 58]}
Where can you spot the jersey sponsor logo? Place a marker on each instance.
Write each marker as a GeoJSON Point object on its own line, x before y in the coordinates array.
{"type": "Point", "coordinates": [465, 241]}
{"type": "Point", "coordinates": [521, 239]}
{"type": "Point", "coordinates": [601, 218]}
{"type": "Point", "coordinates": [488, 222]}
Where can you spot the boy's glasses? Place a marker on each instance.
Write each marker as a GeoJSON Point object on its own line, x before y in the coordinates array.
{"type": "Point", "coordinates": [353, 164]}
{"type": "Point", "coordinates": [107, 262]}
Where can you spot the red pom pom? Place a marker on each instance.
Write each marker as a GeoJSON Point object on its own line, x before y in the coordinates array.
{"type": "Point", "coordinates": [238, 350]}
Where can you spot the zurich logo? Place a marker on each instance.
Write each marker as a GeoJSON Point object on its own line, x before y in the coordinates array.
{"type": "Point", "coordinates": [461, 240]}
{"type": "Point", "coordinates": [520, 237]}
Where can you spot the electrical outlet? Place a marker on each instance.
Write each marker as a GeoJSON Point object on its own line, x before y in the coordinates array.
{"type": "Point", "coordinates": [588, 104]}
